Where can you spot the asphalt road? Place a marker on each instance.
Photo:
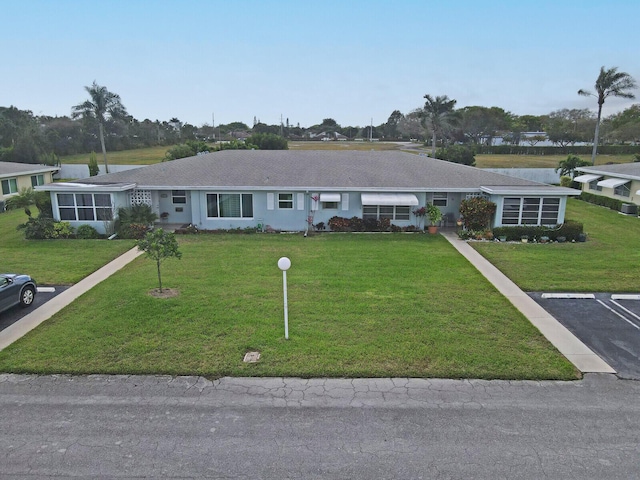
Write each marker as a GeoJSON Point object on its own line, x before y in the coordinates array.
{"type": "Point", "coordinates": [14, 314]}
{"type": "Point", "coordinates": [608, 325]}
{"type": "Point", "coordinates": [188, 427]}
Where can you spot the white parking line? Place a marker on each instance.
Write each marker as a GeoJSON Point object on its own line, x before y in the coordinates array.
{"type": "Point", "coordinates": [619, 314]}
{"type": "Point", "coordinates": [46, 289]}
{"type": "Point", "coordinates": [587, 296]}
{"type": "Point", "coordinates": [625, 297]}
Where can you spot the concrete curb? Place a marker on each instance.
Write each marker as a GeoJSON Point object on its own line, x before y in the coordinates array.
{"type": "Point", "coordinates": [558, 335]}
{"type": "Point", "coordinates": [53, 306]}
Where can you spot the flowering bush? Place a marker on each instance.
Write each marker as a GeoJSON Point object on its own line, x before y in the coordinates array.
{"type": "Point", "coordinates": [477, 212]}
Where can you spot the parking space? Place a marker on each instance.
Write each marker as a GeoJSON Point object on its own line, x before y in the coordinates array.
{"type": "Point", "coordinates": [14, 314]}
{"type": "Point", "coordinates": [609, 324]}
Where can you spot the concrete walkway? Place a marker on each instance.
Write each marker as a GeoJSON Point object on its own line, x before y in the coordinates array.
{"type": "Point", "coordinates": [560, 337]}
{"type": "Point", "coordinates": [53, 306]}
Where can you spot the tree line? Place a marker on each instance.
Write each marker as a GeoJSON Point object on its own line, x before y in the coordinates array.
{"type": "Point", "coordinates": [102, 123]}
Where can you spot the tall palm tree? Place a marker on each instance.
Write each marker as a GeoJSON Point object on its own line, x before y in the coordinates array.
{"type": "Point", "coordinates": [438, 112]}
{"type": "Point", "coordinates": [103, 105]}
{"type": "Point", "coordinates": [609, 83]}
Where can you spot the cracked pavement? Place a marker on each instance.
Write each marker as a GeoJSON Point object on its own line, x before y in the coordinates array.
{"type": "Point", "coordinates": [189, 427]}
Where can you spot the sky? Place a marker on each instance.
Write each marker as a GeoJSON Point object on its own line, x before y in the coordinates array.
{"type": "Point", "coordinates": [206, 61]}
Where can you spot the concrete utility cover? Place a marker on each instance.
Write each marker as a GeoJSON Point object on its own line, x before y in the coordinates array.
{"type": "Point", "coordinates": [251, 357]}
{"type": "Point", "coordinates": [608, 324]}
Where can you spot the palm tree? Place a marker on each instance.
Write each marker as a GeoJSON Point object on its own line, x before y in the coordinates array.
{"type": "Point", "coordinates": [24, 199]}
{"type": "Point", "coordinates": [438, 112]}
{"type": "Point", "coordinates": [609, 83]}
{"type": "Point", "coordinates": [103, 105]}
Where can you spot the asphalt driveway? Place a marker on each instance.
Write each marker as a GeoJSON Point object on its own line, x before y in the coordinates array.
{"type": "Point", "coordinates": [607, 323]}
{"type": "Point", "coordinates": [14, 314]}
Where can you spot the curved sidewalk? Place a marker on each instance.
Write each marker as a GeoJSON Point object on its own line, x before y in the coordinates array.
{"type": "Point", "coordinates": [33, 319]}
{"type": "Point", "coordinates": [558, 335]}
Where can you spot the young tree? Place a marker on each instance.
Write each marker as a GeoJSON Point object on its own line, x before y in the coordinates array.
{"type": "Point", "coordinates": [438, 114]}
{"type": "Point", "coordinates": [103, 105]}
{"type": "Point", "coordinates": [567, 167]}
{"type": "Point", "coordinates": [93, 165]}
{"type": "Point", "coordinates": [159, 245]}
{"type": "Point", "coordinates": [24, 199]}
{"type": "Point", "coordinates": [609, 83]}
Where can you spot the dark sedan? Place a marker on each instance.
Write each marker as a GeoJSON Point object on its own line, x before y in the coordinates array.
{"type": "Point", "coordinates": [16, 289]}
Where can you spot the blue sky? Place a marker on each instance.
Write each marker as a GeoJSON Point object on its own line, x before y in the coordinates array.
{"type": "Point", "coordinates": [349, 60]}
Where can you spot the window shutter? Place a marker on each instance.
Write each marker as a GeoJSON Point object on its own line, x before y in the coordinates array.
{"type": "Point", "coordinates": [345, 201]}
{"type": "Point", "coordinates": [270, 201]}
{"type": "Point", "coordinates": [300, 201]}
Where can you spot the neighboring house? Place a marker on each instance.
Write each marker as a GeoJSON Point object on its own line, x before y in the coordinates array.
{"type": "Point", "coordinates": [16, 176]}
{"type": "Point", "coordinates": [289, 190]}
{"type": "Point", "coordinates": [619, 181]}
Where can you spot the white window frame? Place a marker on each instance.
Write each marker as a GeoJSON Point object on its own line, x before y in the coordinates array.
{"type": "Point", "coordinates": [179, 197]}
{"type": "Point", "coordinates": [243, 197]}
{"type": "Point", "coordinates": [529, 210]}
{"type": "Point", "coordinates": [11, 186]}
{"type": "Point", "coordinates": [283, 202]}
{"type": "Point", "coordinates": [593, 185]}
{"type": "Point", "coordinates": [440, 199]}
{"type": "Point", "coordinates": [37, 180]}
{"type": "Point", "coordinates": [622, 190]}
{"type": "Point", "coordinates": [82, 208]}
{"type": "Point", "coordinates": [388, 211]}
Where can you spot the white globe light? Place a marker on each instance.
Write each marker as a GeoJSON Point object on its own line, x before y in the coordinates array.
{"type": "Point", "coordinates": [284, 264]}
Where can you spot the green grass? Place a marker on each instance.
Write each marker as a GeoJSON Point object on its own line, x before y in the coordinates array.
{"type": "Point", "coordinates": [359, 306]}
{"type": "Point", "coordinates": [138, 156]}
{"type": "Point", "coordinates": [607, 262]}
{"type": "Point", "coordinates": [53, 262]}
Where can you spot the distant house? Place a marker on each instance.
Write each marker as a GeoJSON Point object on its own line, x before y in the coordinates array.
{"type": "Point", "coordinates": [620, 181]}
{"type": "Point", "coordinates": [16, 176]}
{"type": "Point", "coordinates": [288, 189]}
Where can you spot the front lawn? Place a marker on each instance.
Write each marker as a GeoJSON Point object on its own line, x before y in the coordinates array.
{"type": "Point", "coordinates": [52, 262]}
{"type": "Point", "coordinates": [368, 305]}
{"type": "Point", "coordinates": [607, 262]}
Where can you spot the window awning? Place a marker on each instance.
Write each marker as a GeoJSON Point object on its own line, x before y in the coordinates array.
{"type": "Point", "coordinates": [389, 199]}
{"type": "Point", "coordinates": [330, 197]}
{"type": "Point", "coordinates": [612, 182]}
{"type": "Point", "coordinates": [586, 178]}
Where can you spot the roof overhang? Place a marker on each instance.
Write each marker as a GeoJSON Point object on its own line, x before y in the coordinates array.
{"type": "Point", "coordinates": [35, 171]}
{"type": "Point", "coordinates": [389, 199]}
{"type": "Point", "coordinates": [330, 197]}
{"type": "Point", "coordinates": [80, 187]}
{"type": "Point", "coordinates": [586, 178]}
{"type": "Point", "coordinates": [536, 190]}
{"type": "Point", "coordinates": [612, 182]}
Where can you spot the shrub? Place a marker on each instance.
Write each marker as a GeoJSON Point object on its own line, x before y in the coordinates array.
{"type": "Point", "coordinates": [570, 229]}
{"type": "Point", "coordinates": [457, 154]}
{"type": "Point", "coordinates": [612, 203]}
{"type": "Point", "coordinates": [38, 228]}
{"type": "Point", "coordinates": [87, 232]}
{"type": "Point", "coordinates": [339, 224]}
{"type": "Point", "coordinates": [62, 230]}
{"type": "Point", "coordinates": [134, 221]}
{"type": "Point", "coordinates": [566, 181]}
{"type": "Point", "coordinates": [477, 212]}
{"type": "Point", "coordinates": [93, 165]}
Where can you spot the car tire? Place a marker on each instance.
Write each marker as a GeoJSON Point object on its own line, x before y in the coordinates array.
{"type": "Point", "coordinates": [27, 295]}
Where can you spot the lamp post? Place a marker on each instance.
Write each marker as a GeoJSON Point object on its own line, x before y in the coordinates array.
{"type": "Point", "coordinates": [284, 264]}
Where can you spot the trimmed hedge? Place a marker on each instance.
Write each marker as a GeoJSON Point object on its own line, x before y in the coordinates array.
{"type": "Point", "coordinates": [577, 150]}
{"type": "Point", "coordinates": [570, 230]}
{"type": "Point", "coordinates": [612, 203]}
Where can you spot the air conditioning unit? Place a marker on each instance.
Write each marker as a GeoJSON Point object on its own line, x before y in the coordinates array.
{"type": "Point", "coordinates": [2, 207]}
{"type": "Point", "coordinates": [629, 209]}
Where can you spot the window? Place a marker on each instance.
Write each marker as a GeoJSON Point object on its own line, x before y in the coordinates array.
{"type": "Point", "coordinates": [392, 212]}
{"type": "Point", "coordinates": [594, 185]}
{"type": "Point", "coordinates": [90, 207]}
{"type": "Point", "coordinates": [229, 205]}
{"type": "Point", "coordinates": [623, 190]}
{"type": "Point", "coordinates": [9, 186]}
{"type": "Point", "coordinates": [440, 199]}
{"type": "Point", "coordinates": [179, 196]}
{"type": "Point", "coordinates": [329, 205]}
{"type": "Point", "coordinates": [530, 211]}
{"type": "Point", "coordinates": [37, 180]}
{"type": "Point", "coordinates": [285, 200]}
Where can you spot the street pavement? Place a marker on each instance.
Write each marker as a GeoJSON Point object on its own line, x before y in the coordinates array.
{"type": "Point", "coordinates": [189, 427]}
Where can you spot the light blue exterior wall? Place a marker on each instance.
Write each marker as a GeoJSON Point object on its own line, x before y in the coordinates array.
{"type": "Point", "coordinates": [118, 199]}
